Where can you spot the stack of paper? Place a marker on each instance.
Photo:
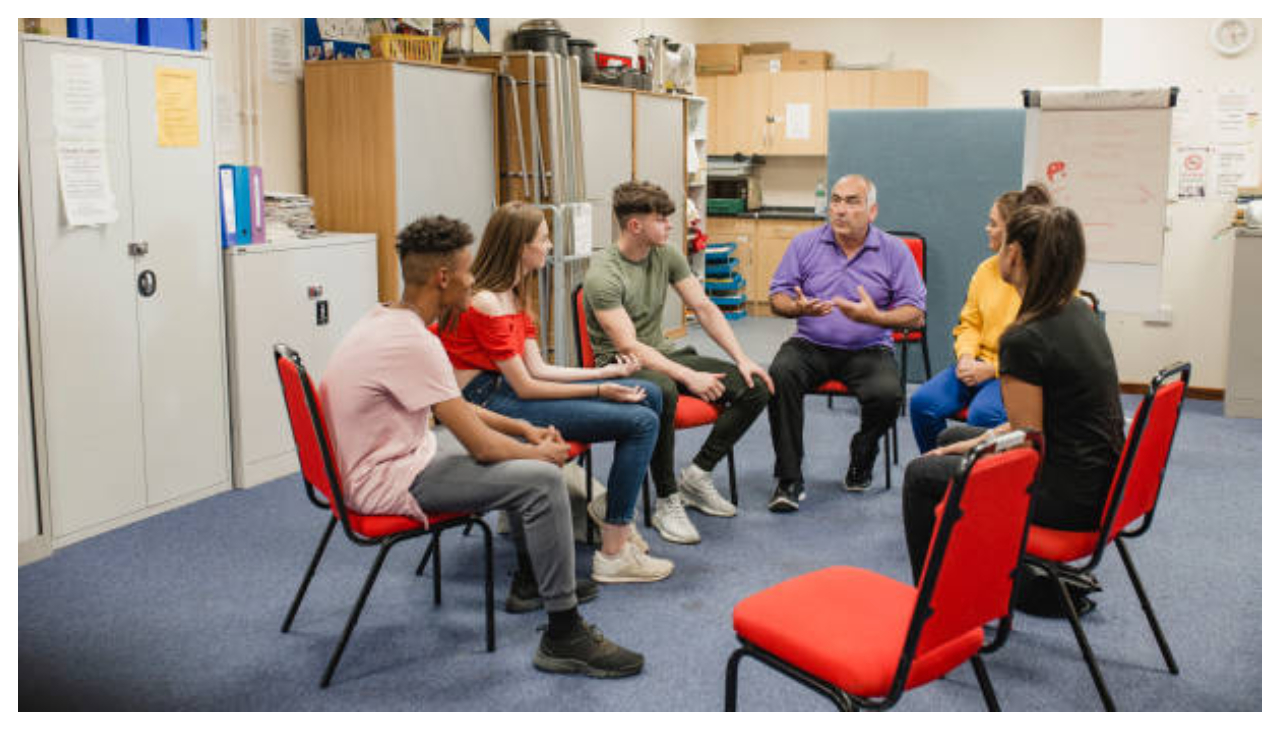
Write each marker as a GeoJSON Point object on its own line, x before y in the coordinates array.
{"type": "Point", "coordinates": [290, 215]}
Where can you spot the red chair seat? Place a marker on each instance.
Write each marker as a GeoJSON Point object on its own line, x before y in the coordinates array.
{"type": "Point", "coordinates": [577, 448]}
{"type": "Point", "coordinates": [852, 633]}
{"type": "Point", "coordinates": [832, 387]}
{"type": "Point", "coordinates": [912, 336]}
{"type": "Point", "coordinates": [1060, 546]}
{"type": "Point", "coordinates": [692, 412]}
{"type": "Point", "coordinates": [961, 415]}
{"type": "Point", "coordinates": [376, 526]}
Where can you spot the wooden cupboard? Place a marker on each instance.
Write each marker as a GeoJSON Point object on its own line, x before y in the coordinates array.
{"type": "Point", "coordinates": [785, 113]}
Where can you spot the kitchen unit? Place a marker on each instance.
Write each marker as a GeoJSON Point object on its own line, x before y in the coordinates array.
{"type": "Point", "coordinates": [123, 287]}
{"type": "Point", "coordinates": [785, 112]}
{"type": "Point", "coordinates": [762, 238]}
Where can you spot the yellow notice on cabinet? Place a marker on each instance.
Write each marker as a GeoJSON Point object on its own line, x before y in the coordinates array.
{"type": "Point", "coordinates": [177, 115]}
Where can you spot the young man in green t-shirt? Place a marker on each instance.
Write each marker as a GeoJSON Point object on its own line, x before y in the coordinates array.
{"type": "Point", "coordinates": [625, 291]}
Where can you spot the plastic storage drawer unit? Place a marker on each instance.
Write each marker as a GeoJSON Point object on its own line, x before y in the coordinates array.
{"type": "Point", "coordinates": [115, 30]}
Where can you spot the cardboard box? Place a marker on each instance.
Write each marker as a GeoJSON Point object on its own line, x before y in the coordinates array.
{"type": "Point", "coordinates": [757, 49]}
{"type": "Point", "coordinates": [718, 58]}
{"type": "Point", "coordinates": [788, 61]}
{"type": "Point", "coordinates": [44, 26]}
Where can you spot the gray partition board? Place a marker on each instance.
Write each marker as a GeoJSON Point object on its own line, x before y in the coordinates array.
{"type": "Point", "coordinates": [936, 172]}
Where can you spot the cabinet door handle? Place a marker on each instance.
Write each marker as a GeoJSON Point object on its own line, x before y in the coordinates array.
{"type": "Point", "coordinates": [138, 248]}
{"type": "Point", "coordinates": [147, 283]}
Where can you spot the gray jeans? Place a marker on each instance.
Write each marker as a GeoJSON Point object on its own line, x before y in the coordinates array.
{"type": "Point", "coordinates": [532, 493]}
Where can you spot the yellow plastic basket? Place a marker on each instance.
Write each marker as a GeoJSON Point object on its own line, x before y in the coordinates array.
{"type": "Point", "coordinates": [406, 47]}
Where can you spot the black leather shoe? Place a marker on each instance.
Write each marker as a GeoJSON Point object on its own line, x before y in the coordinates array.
{"type": "Point", "coordinates": [862, 457]}
{"type": "Point", "coordinates": [787, 496]}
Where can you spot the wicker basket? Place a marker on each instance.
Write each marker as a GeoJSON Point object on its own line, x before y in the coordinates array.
{"type": "Point", "coordinates": [406, 47]}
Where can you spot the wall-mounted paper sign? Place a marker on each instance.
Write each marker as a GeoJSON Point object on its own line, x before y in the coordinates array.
{"type": "Point", "coordinates": [87, 199]}
{"type": "Point", "coordinates": [79, 97]}
{"type": "Point", "coordinates": [797, 121]}
{"type": "Point", "coordinates": [177, 114]}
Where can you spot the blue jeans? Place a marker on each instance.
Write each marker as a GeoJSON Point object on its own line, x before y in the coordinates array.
{"type": "Point", "coordinates": [633, 427]}
{"type": "Point", "coordinates": [943, 396]}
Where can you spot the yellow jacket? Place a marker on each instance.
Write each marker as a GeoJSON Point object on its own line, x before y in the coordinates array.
{"type": "Point", "coordinates": [989, 308]}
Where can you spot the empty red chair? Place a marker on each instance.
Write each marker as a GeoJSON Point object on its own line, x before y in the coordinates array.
{"type": "Point", "coordinates": [1129, 511]}
{"type": "Point", "coordinates": [320, 474]}
{"type": "Point", "coordinates": [861, 639]}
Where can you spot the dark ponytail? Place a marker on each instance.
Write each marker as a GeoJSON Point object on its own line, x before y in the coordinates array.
{"type": "Point", "coordinates": [1052, 243]}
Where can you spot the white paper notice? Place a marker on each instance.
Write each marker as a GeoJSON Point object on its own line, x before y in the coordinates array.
{"type": "Point", "coordinates": [79, 97]}
{"type": "Point", "coordinates": [282, 53]}
{"type": "Point", "coordinates": [797, 121]}
{"type": "Point", "coordinates": [86, 187]}
{"type": "Point", "coordinates": [581, 213]}
{"type": "Point", "coordinates": [1232, 165]}
{"type": "Point", "coordinates": [1192, 171]}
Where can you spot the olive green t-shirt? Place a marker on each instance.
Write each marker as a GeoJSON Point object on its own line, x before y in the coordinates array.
{"type": "Point", "coordinates": [639, 287]}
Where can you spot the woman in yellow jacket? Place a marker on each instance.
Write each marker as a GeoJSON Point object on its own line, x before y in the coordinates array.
{"type": "Point", "coordinates": [988, 309]}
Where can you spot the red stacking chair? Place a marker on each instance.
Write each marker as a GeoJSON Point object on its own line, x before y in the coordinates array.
{"type": "Point", "coordinates": [320, 474]}
{"type": "Point", "coordinates": [911, 335]}
{"type": "Point", "coordinates": [690, 412]}
{"type": "Point", "coordinates": [1129, 511]}
{"type": "Point", "coordinates": [833, 388]}
{"type": "Point", "coordinates": [862, 639]}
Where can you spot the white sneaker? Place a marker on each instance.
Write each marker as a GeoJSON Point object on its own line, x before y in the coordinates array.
{"type": "Point", "coordinates": [700, 493]}
{"type": "Point", "coordinates": [597, 508]}
{"type": "Point", "coordinates": [672, 523]}
{"type": "Point", "coordinates": [629, 566]}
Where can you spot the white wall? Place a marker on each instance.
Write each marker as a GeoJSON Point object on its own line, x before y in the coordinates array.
{"type": "Point", "coordinates": [971, 63]}
{"type": "Point", "coordinates": [1197, 264]}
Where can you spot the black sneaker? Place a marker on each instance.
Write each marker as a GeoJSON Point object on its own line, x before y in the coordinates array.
{"type": "Point", "coordinates": [524, 597]}
{"type": "Point", "coordinates": [586, 651]}
{"type": "Point", "coordinates": [787, 496]}
{"type": "Point", "coordinates": [861, 460]}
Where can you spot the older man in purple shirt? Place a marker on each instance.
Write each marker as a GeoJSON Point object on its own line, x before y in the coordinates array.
{"type": "Point", "coordinates": [850, 285]}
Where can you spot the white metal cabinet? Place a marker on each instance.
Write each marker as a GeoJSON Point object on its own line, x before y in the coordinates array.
{"type": "Point", "coordinates": [275, 293]}
{"type": "Point", "coordinates": [659, 139]}
{"type": "Point", "coordinates": [131, 389]}
{"type": "Point", "coordinates": [606, 154]}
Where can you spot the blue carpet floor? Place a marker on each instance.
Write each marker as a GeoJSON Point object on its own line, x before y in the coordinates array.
{"type": "Point", "coordinates": [182, 611]}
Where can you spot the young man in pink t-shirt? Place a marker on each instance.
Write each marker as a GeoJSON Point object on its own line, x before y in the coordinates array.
{"type": "Point", "coordinates": [382, 385]}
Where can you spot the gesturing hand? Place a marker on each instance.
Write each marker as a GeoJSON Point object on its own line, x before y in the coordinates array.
{"type": "Point", "coordinates": [619, 393]}
{"type": "Point", "coordinates": [806, 307]}
{"type": "Point", "coordinates": [863, 310]}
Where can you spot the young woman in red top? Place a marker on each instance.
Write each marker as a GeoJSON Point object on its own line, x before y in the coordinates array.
{"type": "Point", "coordinates": [494, 350]}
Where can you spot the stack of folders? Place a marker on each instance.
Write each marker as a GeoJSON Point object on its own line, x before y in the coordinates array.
{"type": "Point", "coordinates": [240, 193]}
{"type": "Point", "coordinates": [290, 215]}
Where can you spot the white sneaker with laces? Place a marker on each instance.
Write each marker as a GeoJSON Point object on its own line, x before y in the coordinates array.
{"type": "Point", "coordinates": [597, 508]}
{"type": "Point", "coordinates": [629, 566]}
{"type": "Point", "coordinates": [672, 523]}
{"type": "Point", "coordinates": [700, 493]}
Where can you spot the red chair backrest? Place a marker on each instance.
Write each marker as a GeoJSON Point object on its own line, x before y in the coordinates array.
{"type": "Point", "coordinates": [915, 242]}
{"type": "Point", "coordinates": [977, 545]}
{"type": "Point", "coordinates": [586, 354]}
{"type": "Point", "coordinates": [310, 433]}
{"type": "Point", "coordinates": [1146, 452]}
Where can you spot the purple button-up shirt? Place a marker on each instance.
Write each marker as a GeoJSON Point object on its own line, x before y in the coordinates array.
{"type": "Point", "coordinates": [883, 266]}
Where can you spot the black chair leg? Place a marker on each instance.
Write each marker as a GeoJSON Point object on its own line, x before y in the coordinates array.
{"type": "Point", "coordinates": [733, 479]}
{"type": "Point", "coordinates": [435, 556]}
{"type": "Point", "coordinates": [895, 443]}
{"type": "Point", "coordinates": [984, 681]}
{"type": "Point", "coordinates": [490, 643]}
{"type": "Point", "coordinates": [902, 375]}
{"type": "Point", "coordinates": [426, 555]}
{"type": "Point", "coordinates": [829, 403]}
{"type": "Point", "coordinates": [924, 347]}
{"type": "Point", "coordinates": [888, 476]}
{"type": "Point", "coordinates": [355, 614]}
{"type": "Point", "coordinates": [1146, 606]}
{"type": "Point", "coordinates": [1064, 598]}
{"type": "Point", "coordinates": [648, 511]}
{"type": "Point", "coordinates": [591, 525]}
{"type": "Point", "coordinates": [306, 579]}
{"type": "Point", "coordinates": [731, 681]}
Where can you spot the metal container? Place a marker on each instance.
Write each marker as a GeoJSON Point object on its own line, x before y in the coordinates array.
{"type": "Point", "coordinates": [585, 50]}
{"type": "Point", "coordinates": [542, 34]}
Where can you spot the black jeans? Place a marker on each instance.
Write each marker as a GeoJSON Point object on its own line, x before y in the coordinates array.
{"type": "Point", "coordinates": [741, 404]}
{"type": "Point", "coordinates": [800, 366]}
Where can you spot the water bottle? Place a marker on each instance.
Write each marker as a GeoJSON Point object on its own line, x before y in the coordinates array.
{"type": "Point", "coordinates": [820, 199]}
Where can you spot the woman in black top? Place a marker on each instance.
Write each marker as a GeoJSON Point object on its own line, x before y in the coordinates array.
{"type": "Point", "coordinates": [1057, 375]}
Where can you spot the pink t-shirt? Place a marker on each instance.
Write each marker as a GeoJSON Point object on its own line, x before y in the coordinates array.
{"type": "Point", "coordinates": [378, 391]}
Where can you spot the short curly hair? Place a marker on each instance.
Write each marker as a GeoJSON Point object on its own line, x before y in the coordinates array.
{"type": "Point", "coordinates": [425, 243]}
{"type": "Point", "coordinates": [640, 197]}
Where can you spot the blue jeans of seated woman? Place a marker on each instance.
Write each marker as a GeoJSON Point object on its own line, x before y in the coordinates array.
{"type": "Point", "coordinates": [633, 427]}
{"type": "Point", "coordinates": [943, 396]}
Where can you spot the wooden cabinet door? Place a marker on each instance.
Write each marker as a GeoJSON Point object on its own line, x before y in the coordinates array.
{"type": "Point", "coordinates": [743, 105]}
{"type": "Point", "coordinates": [849, 89]}
{"type": "Point", "coordinates": [797, 113]}
{"type": "Point", "coordinates": [772, 239]}
{"type": "Point", "coordinates": [899, 89]}
{"type": "Point", "coordinates": [708, 89]}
